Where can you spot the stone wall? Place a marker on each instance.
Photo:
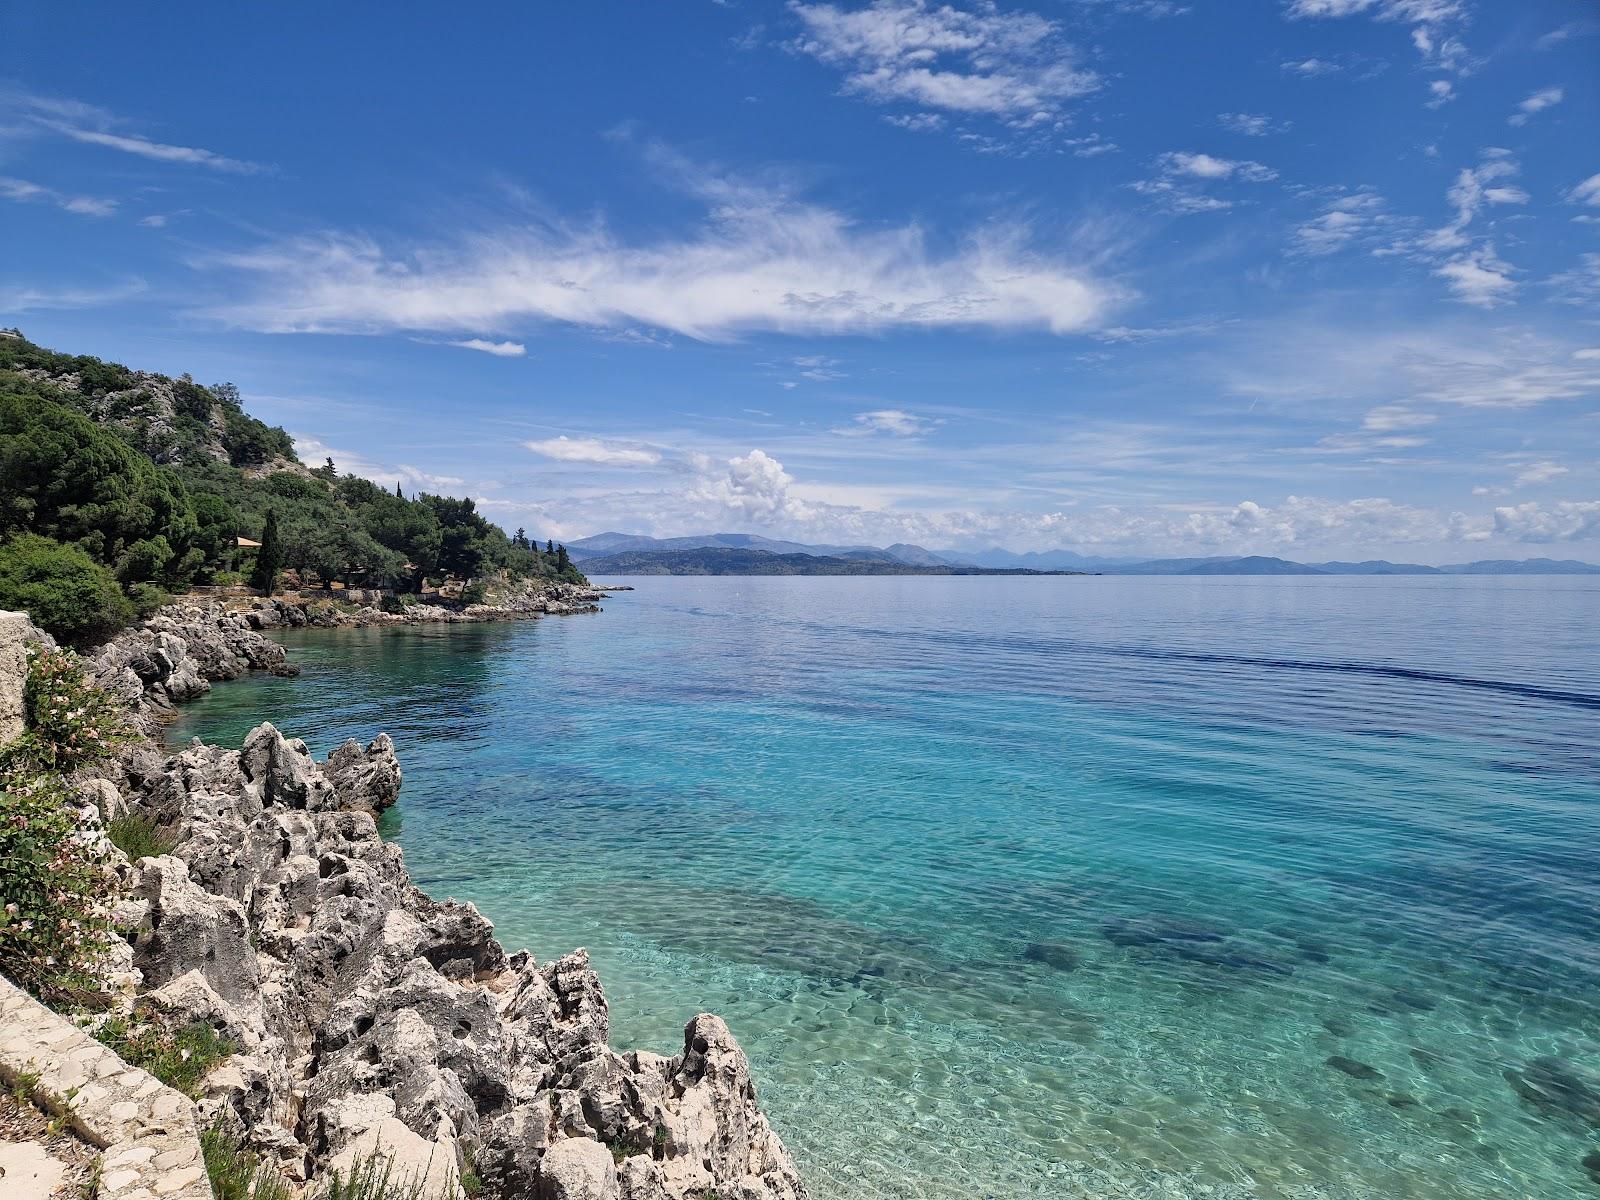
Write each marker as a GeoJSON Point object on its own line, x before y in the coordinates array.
{"type": "Point", "coordinates": [148, 1132]}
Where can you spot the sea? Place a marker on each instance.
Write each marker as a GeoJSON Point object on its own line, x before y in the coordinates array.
{"type": "Point", "coordinates": [1058, 887]}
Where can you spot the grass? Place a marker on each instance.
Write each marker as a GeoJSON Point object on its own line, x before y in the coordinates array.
{"type": "Point", "coordinates": [373, 1177]}
{"type": "Point", "coordinates": [236, 1173]}
{"type": "Point", "coordinates": [138, 836]}
{"type": "Point", "coordinates": [181, 1058]}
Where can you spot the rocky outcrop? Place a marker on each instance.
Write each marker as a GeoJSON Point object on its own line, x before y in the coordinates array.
{"type": "Point", "coordinates": [367, 1013]}
{"type": "Point", "coordinates": [179, 653]}
{"type": "Point", "coordinates": [524, 601]}
{"type": "Point", "coordinates": [17, 633]}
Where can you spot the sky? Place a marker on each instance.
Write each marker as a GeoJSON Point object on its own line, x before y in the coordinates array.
{"type": "Point", "coordinates": [1318, 278]}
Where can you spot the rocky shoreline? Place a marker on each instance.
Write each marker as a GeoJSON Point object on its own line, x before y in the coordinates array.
{"type": "Point", "coordinates": [366, 1014]}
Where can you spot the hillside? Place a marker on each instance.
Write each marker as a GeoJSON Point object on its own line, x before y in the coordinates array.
{"type": "Point", "coordinates": [120, 486]}
{"type": "Point", "coordinates": [726, 560]}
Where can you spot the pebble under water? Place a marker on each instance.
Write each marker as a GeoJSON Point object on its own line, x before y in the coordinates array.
{"type": "Point", "coordinates": [1053, 887]}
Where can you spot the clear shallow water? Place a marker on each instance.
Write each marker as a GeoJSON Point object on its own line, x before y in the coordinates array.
{"type": "Point", "coordinates": [944, 850]}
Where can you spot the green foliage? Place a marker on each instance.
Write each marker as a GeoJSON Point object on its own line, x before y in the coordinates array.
{"type": "Point", "coordinates": [181, 1057]}
{"type": "Point", "coordinates": [236, 1173]}
{"type": "Point", "coordinates": [66, 592]}
{"type": "Point", "coordinates": [52, 927]}
{"type": "Point", "coordinates": [65, 477]}
{"type": "Point", "coordinates": [373, 1177]}
{"type": "Point", "coordinates": [474, 593]}
{"type": "Point", "coordinates": [67, 721]}
{"type": "Point", "coordinates": [146, 598]}
{"type": "Point", "coordinates": [139, 836]}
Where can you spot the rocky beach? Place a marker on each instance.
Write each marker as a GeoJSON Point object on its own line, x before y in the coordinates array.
{"type": "Point", "coordinates": [364, 1015]}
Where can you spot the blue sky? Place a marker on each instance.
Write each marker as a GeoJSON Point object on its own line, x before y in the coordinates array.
{"type": "Point", "coordinates": [1306, 277]}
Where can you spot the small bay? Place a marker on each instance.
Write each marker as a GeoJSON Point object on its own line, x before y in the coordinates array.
{"type": "Point", "coordinates": [1042, 887]}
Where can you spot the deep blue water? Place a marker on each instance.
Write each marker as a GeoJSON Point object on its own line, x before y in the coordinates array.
{"type": "Point", "coordinates": [1042, 887]}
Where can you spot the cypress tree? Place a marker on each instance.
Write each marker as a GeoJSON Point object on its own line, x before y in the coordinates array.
{"type": "Point", "coordinates": [563, 563]}
{"type": "Point", "coordinates": [269, 559]}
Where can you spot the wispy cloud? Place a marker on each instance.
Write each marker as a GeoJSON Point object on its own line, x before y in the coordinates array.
{"type": "Point", "coordinates": [891, 421]}
{"type": "Point", "coordinates": [26, 192]}
{"type": "Point", "coordinates": [1344, 221]}
{"type": "Point", "coordinates": [763, 261]}
{"type": "Point", "coordinates": [20, 298]}
{"type": "Point", "coordinates": [1252, 124]}
{"type": "Point", "coordinates": [1183, 172]}
{"type": "Point", "coordinates": [1005, 64]}
{"type": "Point", "coordinates": [498, 349]}
{"type": "Point", "coordinates": [1431, 22]}
{"type": "Point", "coordinates": [95, 126]}
{"type": "Point", "coordinates": [1587, 192]}
{"type": "Point", "coordinates": [593, 451]}
{"type": "Point", "coordinates": [1536, 103]}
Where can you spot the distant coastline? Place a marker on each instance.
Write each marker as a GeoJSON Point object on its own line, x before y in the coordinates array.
{"type": "Point", "coordinates": [751, 554]}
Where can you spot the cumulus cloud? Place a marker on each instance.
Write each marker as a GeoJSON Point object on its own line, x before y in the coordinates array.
{"type": "Point", "coordinates": [762, 261]}
{"type": "Point", "coordinates": [990, 62]}
{"type": "Point", "coordinates": [348, 462]}
{"type": "Point", "coordinates": [593, 451]}
{"type": "Point", "coordinates": [1536, 103]}
{"type": "Point", "coordinates": [1564, 521]}
{"type": "Point", "coordinates": [1206, 166]}
{"type": "Point", "coordinates": [892, 421]}
{"type": "Point", "coordinates": [26, 192]}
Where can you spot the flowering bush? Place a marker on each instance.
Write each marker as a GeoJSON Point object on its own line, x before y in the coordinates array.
{"type": "Point", "coordinates": [68, 721]}
{"type": "Point", "coordinates": [52, 923]}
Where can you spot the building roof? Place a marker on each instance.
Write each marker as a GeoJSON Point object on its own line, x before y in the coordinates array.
{"type": "Point", "coordinates": [244, 541]}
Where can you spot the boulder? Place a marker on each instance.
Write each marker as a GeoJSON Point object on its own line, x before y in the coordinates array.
{"type": "Point", "coordinates": [17, 633]}
{"type": "Point", "coordinates": [578, 1169]}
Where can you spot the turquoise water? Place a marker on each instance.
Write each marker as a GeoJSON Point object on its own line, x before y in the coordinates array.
{"type": "Point", "coordinates": [1042, 887]}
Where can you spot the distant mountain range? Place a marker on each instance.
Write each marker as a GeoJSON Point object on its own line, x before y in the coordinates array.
{"type": "Point", "coordinates": [752, 554]}
{"type": "Point", "coordinates": [735, 560]}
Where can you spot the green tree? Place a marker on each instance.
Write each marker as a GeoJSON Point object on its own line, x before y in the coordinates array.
{"type": "Point", "coordinates": [66, 478]}
{"type": "Point", "coordinates": [66, 592]}
{"type": "Point", "coordinates": [269, 558]}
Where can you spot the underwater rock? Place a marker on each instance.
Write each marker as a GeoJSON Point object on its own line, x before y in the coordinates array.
{"type": "Point", "coordinates": [1554, 1085]}
{"type": "Point", "coordinates": [1213, 955]}
{"type": "Point", "coordinates": [1591, 1164]}
{"type": "Point", "coordinates": [1401, 1100]}
{"type": "Point", "coordinates": [1052, 954]}
{"type": "Point", "coordinates": [1338, 1026]}
{"type": "Point", "coordinates": [1354, 1069]}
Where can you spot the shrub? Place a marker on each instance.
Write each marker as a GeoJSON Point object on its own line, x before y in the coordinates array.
{"type": "Point", "coordinates": [146, 598]}
{"type": "Point", "coordinates": [52, 926]}
{"type": "Point", "coordinates": [68, 721]}
{"type": "Point", "coordinates": [66, 592]}
{"type": "Point", "coordinates": [236, 1173]}
{"type": "Point", "coordinates": [139, 836]}
{"type": "Point", "coordinates": [180, 1057]}
{"type": "Point", "coordinates": [474, 593]}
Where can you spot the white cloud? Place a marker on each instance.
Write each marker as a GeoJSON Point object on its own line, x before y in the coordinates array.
{"type": "Point", "coordinates": [154, 221]}
{"type": "Point", "coordinates": [160, 151]}
{"type": "Point", "coordinates": [498, 349]}
{"type": "Point", "coordinates": [87, 123]}
{"type": "Point", "coordinates": [1478, 277]}
{"type": "Point", "coordinates": [1343, 221]}
{"type": "Point", "coordinates": [1539, 472]}
{"type": "Point", "coordinates": [990, 62]}
{"type": "Point", "coordinates": [1252, 124]}
{"type": "Point", "coordinates": [1206, 166]}
{"type": "Point", "coordinates": [1565, 521]}
{"type": "Point", "coordinates": [1581, 284]}
{"type": "Point", "coordinates": [1430, 21]}
{"type": "Point", "coordinates": [348, 462]}
{"type": "Point", "coordinates": [1311, 67]}
{"type": "Point", "coordinates": [1536, 103]}
{"type": "Point", "coordinates": [1587, 192]}
{"type": "Point", "coordinates": [892, 421]}
{"type": "Point", "coordinates": [26, 192]}
{"type": "Point", "coordinates": [1389, 417]}
{"type": "Point", "coordinates": [763, 261]}
{"type": "Point", "coordinates": [1440, 93]}
{"type": "Point", "coordinates": [592, 450]}
{"type": "Point", "coordinates": [19, 299]}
